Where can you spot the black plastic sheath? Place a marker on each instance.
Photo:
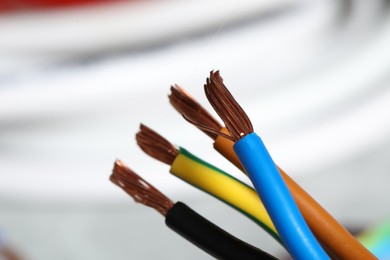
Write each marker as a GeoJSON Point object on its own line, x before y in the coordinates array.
{"type": "Point", "coordinates": [208, 237]}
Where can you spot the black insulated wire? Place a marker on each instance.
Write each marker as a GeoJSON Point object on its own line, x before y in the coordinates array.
{"type": "Point", "coordinates": [208, 237]}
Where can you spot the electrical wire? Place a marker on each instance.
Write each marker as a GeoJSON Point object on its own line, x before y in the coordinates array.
{"type": "Point", "coordinates": [336, 240]}
{"type": "Point", "coordinates": [185, 221]}
{"type": "Point", "coordinates": [258, 164]}
{"type": "Point", "coordinates": [182, 101]}
{"type": "Point", "coordinates": [216, 182]}
{"type": "Point", "coordinates": [334, 237]}
{"type": "Point", "coordinates": [206, 177]}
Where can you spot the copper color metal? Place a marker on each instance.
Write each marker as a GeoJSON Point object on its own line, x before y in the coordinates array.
{"type": "Point", "coordinates": [155, 145]}
{"type": "Point", "coordinates": [141, 191]}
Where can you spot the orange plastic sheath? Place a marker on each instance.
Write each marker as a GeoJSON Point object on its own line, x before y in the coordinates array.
{"type": "Point", "coordinates": [335, 239]}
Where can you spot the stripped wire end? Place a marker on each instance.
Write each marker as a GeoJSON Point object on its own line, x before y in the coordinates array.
{"type": "Point", "coordinates": [139, 189]}
{"type": "Point", "coordinates": [155, 145]}
{"type": "Point", "coordinates": [231, 113]}
{"type": "Point", "coordinates": [193, 112]}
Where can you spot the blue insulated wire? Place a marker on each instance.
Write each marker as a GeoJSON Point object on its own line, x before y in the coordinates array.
{"type": "Point", "coordinates": [281, 207]}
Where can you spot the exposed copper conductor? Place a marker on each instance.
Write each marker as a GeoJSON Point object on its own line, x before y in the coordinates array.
{"type": "Point", "coordinates": [139, 189]}
{"type": "Point", "coordinates": [193, 112]}
{"type": "Point", "coordinates": [155, 145]}
{"type": "Point", "coordinates": [231, 113]}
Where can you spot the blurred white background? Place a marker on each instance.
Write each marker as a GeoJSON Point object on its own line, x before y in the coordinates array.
{"type": "Point", "coordinates": [76, 81]}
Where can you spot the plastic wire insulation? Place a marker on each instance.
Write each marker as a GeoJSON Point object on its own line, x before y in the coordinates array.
{"type": "Point", "coordinates": [209, 237]}
{"type": "Point", "coordinates": [281, 207]}
{"type": "Point", "coordinates": [225, 147]}
{"type": "Point", "coordinates": [336, 240]}
{"type": "Point", "coordinates": [223, 187]}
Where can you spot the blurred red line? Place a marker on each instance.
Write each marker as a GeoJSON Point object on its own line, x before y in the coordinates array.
{"type": "Point", "coordinates": [27, 5]}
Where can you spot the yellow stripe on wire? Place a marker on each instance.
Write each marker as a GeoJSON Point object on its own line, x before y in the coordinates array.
{"type": "Point", "coordinates": [222, 186]}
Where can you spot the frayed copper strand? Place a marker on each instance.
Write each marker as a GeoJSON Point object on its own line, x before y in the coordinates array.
{"type": "Point", "coordinates": [231, 113]}
{"type": "Point", "coordinates": [189, 108]}
{"type": "Point", "coordinates": [155, 145]}
{"type": "Point", "coordinates": [206, 129]}
{"type": "Point", "coordinates": [141, 191]}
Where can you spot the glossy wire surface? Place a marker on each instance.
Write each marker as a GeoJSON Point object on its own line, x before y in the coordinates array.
{"type": "Point", "coordinates": [292, 228]}
{"type": "Point", "coordinates": [183, 220]}
{"type": "Point", "coordinates": [337, 241]}
{"type": "Point", "coordinates": [223, 187]}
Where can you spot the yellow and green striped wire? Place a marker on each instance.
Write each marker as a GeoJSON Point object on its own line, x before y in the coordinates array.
{"type": "Point", "coordinates": [222, 186]}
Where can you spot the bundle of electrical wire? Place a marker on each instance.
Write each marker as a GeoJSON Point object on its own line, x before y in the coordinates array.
{"type": "Point", "coordinates": [206, 177]}
{"type": "Point", "coordinates": [258, 164]}
{"type": "Point", "coordinates": [183, 220]}
{"type": "Point", "coordinates": [336, 240]}
{"type": "Point", "coordinates": [279, 205]}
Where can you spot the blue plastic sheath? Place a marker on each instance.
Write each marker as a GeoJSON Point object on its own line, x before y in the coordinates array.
{"type": "Point", "coordinates": [281, 207]}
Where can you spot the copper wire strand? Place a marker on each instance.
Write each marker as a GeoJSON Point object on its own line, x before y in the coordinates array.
{"type": "Point", "coordinates": [208, 129]}
{"type": "Point", "coordinates": [191, 109]}
{"type": "Point", "coordinates": [231, 113]}
{"type": "Point", "coordinates": [155, 145]}
{"type": "Point", "coordinates": [139, 189]}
